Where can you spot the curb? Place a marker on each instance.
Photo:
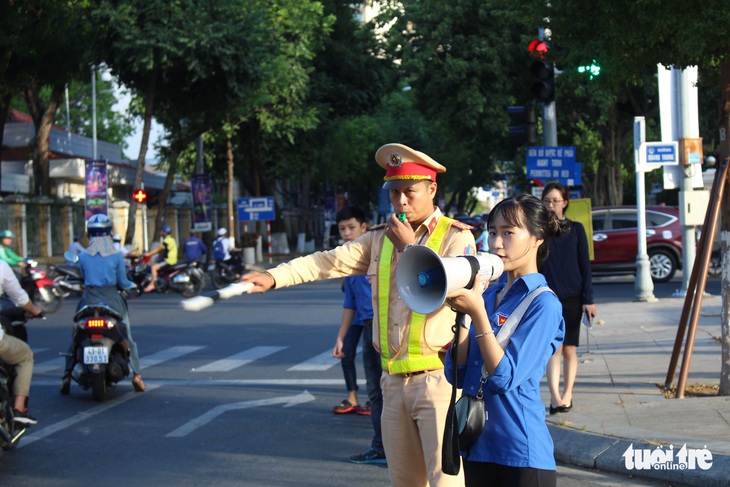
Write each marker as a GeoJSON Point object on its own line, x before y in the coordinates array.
{"type": "Point", "coordinates": [605, 453]}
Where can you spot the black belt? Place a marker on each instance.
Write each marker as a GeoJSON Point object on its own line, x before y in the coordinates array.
{"type": "Point", "coordinates": [406, 375]}
{"type": "Point", "coordinates": [367, 323]}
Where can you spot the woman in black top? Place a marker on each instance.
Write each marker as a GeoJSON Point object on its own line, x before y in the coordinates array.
{"type": "Point", "coordinates": [568, 272]}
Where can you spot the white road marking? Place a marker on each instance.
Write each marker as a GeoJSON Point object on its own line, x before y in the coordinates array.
{"type": "Point", "coordinates": [166, 355]}
{"type": "Point", "coordinates": [209, 416]}
{"type": "Point", "coordinates": [49, 365]}
{"type": "Point", "coordinates": [78, 417]}
{"type": "Point", "coordinates": [321, 362]}
{"type": "Point", "coordinates": [239, 359]}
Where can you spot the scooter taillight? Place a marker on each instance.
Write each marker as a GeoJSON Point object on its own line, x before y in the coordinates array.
{"type": "Point", "coordinates": [95, 323]}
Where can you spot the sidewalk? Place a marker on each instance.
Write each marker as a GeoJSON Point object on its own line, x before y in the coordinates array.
{"type": "Point", "coordinates": [617, 402]}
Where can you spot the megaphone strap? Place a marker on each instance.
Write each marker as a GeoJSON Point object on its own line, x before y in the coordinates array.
{"type": "Point", "coordinates": [474, 263]}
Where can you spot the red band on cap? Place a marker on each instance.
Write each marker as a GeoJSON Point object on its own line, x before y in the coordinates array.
{"type": "Point", "coordinates": [410, 170]}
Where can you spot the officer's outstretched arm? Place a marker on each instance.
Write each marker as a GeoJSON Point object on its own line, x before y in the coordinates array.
{"type": "Point", "coordinates": [262, 281]}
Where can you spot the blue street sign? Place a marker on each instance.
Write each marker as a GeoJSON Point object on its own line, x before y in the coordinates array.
{"type": "Point", "coordinates": [550, 163]}
{"type": "Point", "coordinates": [661, 154]}
{"type": "Point", "coordinates": [554, 164]}
{"type": "Point", "coordinates": [256, 208]}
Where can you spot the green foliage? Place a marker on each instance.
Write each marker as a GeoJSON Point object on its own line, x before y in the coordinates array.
{"type": "Point", "coordinates": [464, 61]}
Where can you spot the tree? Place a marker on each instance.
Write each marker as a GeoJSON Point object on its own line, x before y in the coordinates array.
{"type": "Point", "coordinates": [256, 66]}
{"type": "Point", "coordinates": [632, 37]}
{"type": "Point", "coordinates": [462, 61]}
{"type": "Point", "coordinates": [176, 55]}
{"type": "Point", "coordinates": [37, 52]}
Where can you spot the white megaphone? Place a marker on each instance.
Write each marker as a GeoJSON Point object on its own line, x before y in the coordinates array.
{"type": "Point", "coordinates": [424, 278]}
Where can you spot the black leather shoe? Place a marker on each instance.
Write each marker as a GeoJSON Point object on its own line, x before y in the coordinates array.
{"type": "Point", "coordinates": [561, 409]}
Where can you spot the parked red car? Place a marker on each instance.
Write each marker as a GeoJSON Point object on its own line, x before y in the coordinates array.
{"type": "Point", "coordinates": [615, 241]}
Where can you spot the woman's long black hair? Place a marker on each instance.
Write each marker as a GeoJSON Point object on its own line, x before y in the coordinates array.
{"type": "Point", "coordinates": [526, 211]}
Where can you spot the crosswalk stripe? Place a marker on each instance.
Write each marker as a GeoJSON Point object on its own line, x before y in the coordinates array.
{"type": "Point", "coordinates": [49, 365]}
{"type": "Point", "coordinates": [166, 355]}
{"type": "Point", "coordinates": [321, 362]}
{"type": "Point", "coordinates": [239, 359]}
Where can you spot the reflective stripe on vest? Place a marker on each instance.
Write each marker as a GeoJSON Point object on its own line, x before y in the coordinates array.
{"type": "Point", "coordinates": [415, 361]}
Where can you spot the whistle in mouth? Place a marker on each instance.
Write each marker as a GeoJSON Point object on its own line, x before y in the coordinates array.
{"type": "Point", "coordinates": [402, 217]}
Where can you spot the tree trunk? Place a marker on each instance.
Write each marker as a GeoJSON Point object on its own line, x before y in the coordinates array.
{"type": "Point", "coordinates": [725, 235]}
{"type": "Point", "coordinates": [43, 121]}
{"type": "Point", "coordinates": [232, 227]}
{"type": "Point", "coordinates": [139, 174]}
{"type": "Point", "coordinates": [162, 201]}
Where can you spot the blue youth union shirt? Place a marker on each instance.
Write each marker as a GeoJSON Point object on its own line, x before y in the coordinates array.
{"type": "Point", "coordinates": [515, 433]}
{"type": "Point", "coordinates": [359, 296]}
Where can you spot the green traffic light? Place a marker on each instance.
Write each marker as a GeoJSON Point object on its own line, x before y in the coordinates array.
{"type": "Point", "coordinates": [593, 70]}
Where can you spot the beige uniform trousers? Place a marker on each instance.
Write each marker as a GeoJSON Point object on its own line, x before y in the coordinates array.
{"type": "Point", "coordinates": [413, 420]}
{"type": "Point", "coordinates": [17, 352]}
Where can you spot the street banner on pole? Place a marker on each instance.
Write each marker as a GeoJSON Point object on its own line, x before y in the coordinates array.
{"type": "Point", "coordinates": [97, 200]}
{"type": "Point", "coordinates": [202, 203]}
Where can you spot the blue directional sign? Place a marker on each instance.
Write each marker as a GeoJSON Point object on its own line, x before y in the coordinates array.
{"type": "Point", "coordinates": [553, 164]}
{"type": "Point", "coordinates": [256, 208]}
{"type": "Point", "coordinates": [661, 154]}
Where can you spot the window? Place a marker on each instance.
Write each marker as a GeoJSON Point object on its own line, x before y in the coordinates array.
{"type": "Point", "coordinates": [623, 221]}
{"type": "Point", "coordinates": [654, 219]}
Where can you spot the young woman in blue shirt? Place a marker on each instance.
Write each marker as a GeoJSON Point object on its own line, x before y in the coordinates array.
{"type": "Point", "coordinates": [515, 447]}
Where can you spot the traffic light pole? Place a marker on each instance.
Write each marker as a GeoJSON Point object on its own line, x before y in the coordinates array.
{"type": "Point", "coordinates": [549, 125]}
{"type": "Point", "coordinates": [144, 223]}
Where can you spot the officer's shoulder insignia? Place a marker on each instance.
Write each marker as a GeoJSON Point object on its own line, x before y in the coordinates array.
{"type": "Point", "coordinates": [461, 225]}
{"type": "Point", "coordinates": [432, 225]}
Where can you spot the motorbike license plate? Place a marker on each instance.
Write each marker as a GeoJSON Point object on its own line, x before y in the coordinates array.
{"type": "Point", "coordinates": [96, 355]}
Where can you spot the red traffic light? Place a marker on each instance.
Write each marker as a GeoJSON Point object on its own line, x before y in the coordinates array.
{"type": "Point", "coordinates": [140, 196]}
{"type": "Point", "coordinates": [538, 48]}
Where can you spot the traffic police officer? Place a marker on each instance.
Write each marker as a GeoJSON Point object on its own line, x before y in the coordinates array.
{"type": "Point", "coordinates": [416, 394]}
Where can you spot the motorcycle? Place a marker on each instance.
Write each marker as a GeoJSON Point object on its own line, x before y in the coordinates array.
{"type": "Point", "coordinates": [100, 349]}
{"type": "Point", "coordinates": [715, 269]}
{"type": "Point", "coordinates": [68, 279]}
{"type": "Point", "coordinates": [10, 431]}
{"type": "Point", "coordinates": [41, 290]}
{"type": "Point", "coordinates": [185, 278]}
{"type": "Point", "coordinates": [224, 273]}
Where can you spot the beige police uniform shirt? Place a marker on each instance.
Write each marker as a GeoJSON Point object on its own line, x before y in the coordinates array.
{"type": "Point", "coordinates": [362, 256]}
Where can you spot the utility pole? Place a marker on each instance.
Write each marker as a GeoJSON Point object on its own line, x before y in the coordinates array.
{"type": "Point", "coordinates": [680, 121]}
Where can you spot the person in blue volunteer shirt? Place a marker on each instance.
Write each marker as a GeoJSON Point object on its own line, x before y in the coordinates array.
{"type": "Point", "coordinates": [357, 320]}
{"type": "Point", "coordinates": [515, 447]}
{"type": "Point", "coordinates": [104, 276]}
{"type": "Point", "coordinates": [195, 249]}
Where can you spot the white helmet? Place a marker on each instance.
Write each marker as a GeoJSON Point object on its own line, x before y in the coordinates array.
{"type": "Point", "coordinates": [222, 231]}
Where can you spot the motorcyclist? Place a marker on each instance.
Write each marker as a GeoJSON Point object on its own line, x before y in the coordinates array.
{"type": "Point", "coordinates": [6, 253]}
{"type": "Point", "coordinates": [104, 275]}
{"type": "Point", "coordinates": [168, 249]}
{"type": "Point", "coordinates": [14, 351]}
{"type": "Point", "coordinates": [223, 248]}
{"type": "Point", "coordinates": [76, 247]}
{"type": "Point", "coordinates": [118, 245]}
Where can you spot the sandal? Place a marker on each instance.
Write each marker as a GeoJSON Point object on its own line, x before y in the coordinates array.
{"type": "Point", "coordinates": [138, 384]}
{"type": "Point", "coordinates": [345, 407]}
